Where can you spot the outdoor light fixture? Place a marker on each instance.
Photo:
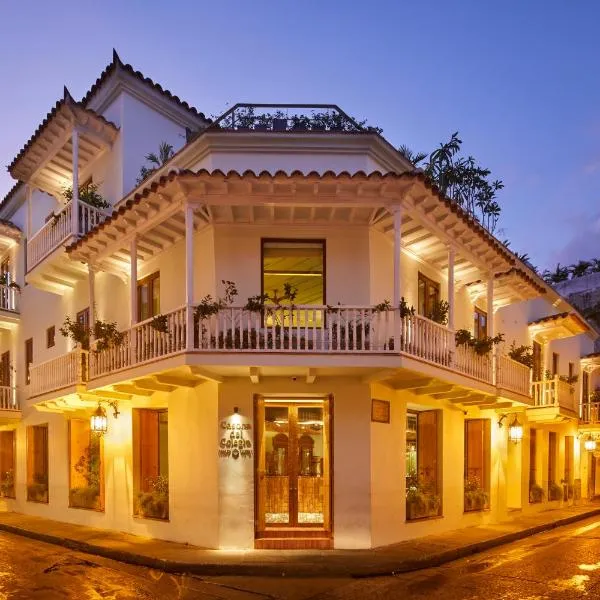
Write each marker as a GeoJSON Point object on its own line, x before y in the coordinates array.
{"type": "Point", "coordinates": [99, 421]}
{"type": "Point", "coordinates": [515, 429]}
{"type": "Point", "coordinates": [590, 444]}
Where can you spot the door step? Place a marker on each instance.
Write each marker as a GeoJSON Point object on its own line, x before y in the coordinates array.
{"type": "Point", "coordinates": [290, 543]}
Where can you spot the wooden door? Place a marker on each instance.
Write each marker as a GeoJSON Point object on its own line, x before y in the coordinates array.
{"type": "Point", "coordinates": [293, 490]}
{"type": "Point", "coordinates": [5, 369]}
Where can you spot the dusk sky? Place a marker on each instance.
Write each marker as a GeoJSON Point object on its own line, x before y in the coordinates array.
{"type": "Point", "coordinates": [519, 80]}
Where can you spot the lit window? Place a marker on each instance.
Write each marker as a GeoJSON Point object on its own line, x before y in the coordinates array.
{"type": "Point", "coordinates": [479, 324]}
{"type": "Point", "coordinates": [477, 464]}
{"type": "Point", "coordinates": [7, 464]}
{"type": "Point", "coordinates": [37, 463]}
{"type": "Point", "coordinates": [50, 337]}
{"type": "Point", "coordinates": [149, 296]}
{"type": "Point", "coordinates": [429, 296]}
{"type": "Point", "coordinates": [86, 466]}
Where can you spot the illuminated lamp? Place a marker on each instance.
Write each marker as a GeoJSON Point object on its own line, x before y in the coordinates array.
{"type": "Point", "coordinates": [98, 421]}
{"type": "Point", "coordinates": [590, 444]}
{"type": "Point", "coordinates": [515, 431]}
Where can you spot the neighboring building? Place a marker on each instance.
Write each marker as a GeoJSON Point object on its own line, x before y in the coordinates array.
{"type": "Point", "coordinates": [319, 417]}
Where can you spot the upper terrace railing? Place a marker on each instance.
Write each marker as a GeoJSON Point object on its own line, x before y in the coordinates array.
{"type": "Point", "coordinates": [9, 399]}
{"type": "Point", "coordinates": [288, 117]}
{"type": "Point", "coordinates": [512, 375]}
{"type": "Point", "coordinates": [57, 373]}
{"type": "Point", "coordinates": [301, 329]}
{"type": "Point", "coordinates": [589, 413]}
{"type": "Point", "coordinates": [9, 298]}
{"type": "Point", "coordinates": [58, 229]}
{"type": "Point", "coordinates": [553, 392]}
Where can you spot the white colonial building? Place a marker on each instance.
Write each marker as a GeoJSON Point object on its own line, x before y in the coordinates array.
{"type": "Point", "coordinates": [280, 338]}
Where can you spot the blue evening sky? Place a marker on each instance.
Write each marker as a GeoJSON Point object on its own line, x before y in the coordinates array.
{"type": "Point", "coordinates": [520, 80]}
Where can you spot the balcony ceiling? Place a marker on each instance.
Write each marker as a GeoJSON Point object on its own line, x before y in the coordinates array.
{"type": "Point", "coordinates": [45, 161]}
{"type": "Point", "coordinates": [556, 327]}
{"type": "Point", "coordinates": [429, 224]}
{"type": "Point", "coordinates": [591, 362]}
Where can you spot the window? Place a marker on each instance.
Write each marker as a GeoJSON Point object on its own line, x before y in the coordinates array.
{"type": "Point", "coordinates": [571, 371]}
{"type": "Point", "coordinates": [477, 464]}
{"type": "Point", "coordinates": [83, 317]}
{"type": "Point", "coordinates": [37, 463]}
{"type": "Point", "coordinates": [86, 480]}
{"type": "Point", "coordinates": [5, 369]}
{"type": "Point", "coordinates": [533, 495]}
{"type": "Point", "coordinates": [585, 387]}
{"type": "Point", "coordinates": [148, 296]}
{"type": "Point", "coordinates": [50, 337]}
{"type": "Point", "coordinates": [7, 464]}
{"type": "Point", "coordinates": [300, 264]}
{"type": "Point", "coordinates": [423, 484]}
{"type": "Point", "coordinates": [555, 362]}
{"type": "Point", "coordinates": [151, 463]}
{"type": "Point", "coordinates": [552, 460]}
{"type": "Point", "coordinates": [569, 460]}
{"type": "Point", "coordinates": [429, 295]}
{"type": "Point", "coordinates": [28, 359]}
{"type": "Point", "coordinates": [479, 324]}
{"type": "Point", "coordinates": [537, 361]}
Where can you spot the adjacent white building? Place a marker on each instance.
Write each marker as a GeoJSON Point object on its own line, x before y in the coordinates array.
{"type": "Point", "coordinates": [279, 319]}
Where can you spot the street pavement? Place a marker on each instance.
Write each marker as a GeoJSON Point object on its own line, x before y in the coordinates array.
{"type": "Point", "coordinates": [562, 563]}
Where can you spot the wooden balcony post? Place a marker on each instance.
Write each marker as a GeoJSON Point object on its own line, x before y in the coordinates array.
{"type": "Point", "coordinates": [490, 322]}
{"type": "Point", "coordinates": [451, 256]}
{"type": "Point", "coordinates": [29, 233]}
{"type": "Point", "coordinates": [133, 298]}
{"type": "Point", "coordinates": [397, 212]}
{"type": "Point", "coordinates": [189, 275]}
{"type": "Point", "coordinates": [75, 168]}
{"type": "Point", "coordinates": [92, 298]}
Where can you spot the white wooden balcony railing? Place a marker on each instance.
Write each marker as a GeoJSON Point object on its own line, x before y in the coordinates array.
{"type": "Point", "coordinates": [514, 376]}
{"type": "Point", "coordinates": [58, 229]}
{"type": "Point", "coordinates": [9, 298]}
{"type": "Point", "coordinates": [553, 392]}
{"type": "Point", "coordinates": [478, 366]}
{"type": "Point", "coordinates": [589, 413]}
{"type": "Point", "coordinates": [8, 398]}
{"type": "Point", "coordinates": [57, 373]}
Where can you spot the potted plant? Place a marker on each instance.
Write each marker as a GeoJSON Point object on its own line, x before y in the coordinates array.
{"type": "Point", "coordinates": [7, 484]}
{"type": "Point", "coordinates": [521, 354]}
{"type": "Point", "coordinates": [38, 490]}
{"type": "Point", "coordinates": [536, 493]}
{"type": "Point", "coordinates": [154, 504]}
{"type": "Point", "coordinates": [421, 500]}
{"type": "Point", "coordinates": [439, 312]}
{"type": "Point", "coordinates": [555, 491]}
{"type": "Point", "coordinates": [475, 497]}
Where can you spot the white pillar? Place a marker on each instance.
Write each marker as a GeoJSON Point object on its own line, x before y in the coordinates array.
{"type": "Point", "coordinates": [29, 226]}
{"type": "Point", "coordinates": [451, 256]}
{"type": "Point", "coordinates": [189, 274]}
{"type": "Point", "coordinates": [75, 183]}
{"type": "Point", "coordinates": [133, 282]}
{"type": "Point", "coordinates": [397, 212]}
{"type": "Point", "coordinates": [490, 321]}
{"type": "Point", "coordinates": [92, 295]}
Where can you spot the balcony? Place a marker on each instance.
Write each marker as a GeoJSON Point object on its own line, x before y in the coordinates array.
{"type": "Point", "coordinates": [513, 376]}
{"type": "Point", "coordinates": [63, 373]}
{"type": "Point", "coordinates": [10, 406]}
{"type": "Point", "coordinates": [589, 415]}
{"type": "Point", "coordinates": [9, 306]}
{"type": "Point", "coordinates": [59, 229]}
{"type": "Point", "coordinates": [553, 400]}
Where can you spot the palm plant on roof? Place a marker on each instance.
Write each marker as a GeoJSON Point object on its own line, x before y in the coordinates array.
{"type": "Point", "coordinates": [559, 274]}
{"type": "Point", "coordinates": [414, 157]}
{"type": "Point", "coordinates": [165, 153]}
{"type": "Point", "coordinates": [580, 268]}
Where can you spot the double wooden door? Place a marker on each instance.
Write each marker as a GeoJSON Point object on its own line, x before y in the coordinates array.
{"type": "Point", "coordinates": [293, 479]}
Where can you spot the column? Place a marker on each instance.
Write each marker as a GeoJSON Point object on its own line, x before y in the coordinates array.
{"type": "Point", "coordinates": [189, 274]}
{"type": "Point", "coordinates": [451, 257]}
{"type": "Point", "coordinates": [490, 321]}
{"type": "Point", "coordinates": [133, 282]}
{"type": "Point", "coordinates": [28, 230]}
{"type": "Point", "coordinates": [92, 295]}
{"type": "Point", "coordinates": [397, 212]}
{"type": "Point", "coordinates": [75, 168]}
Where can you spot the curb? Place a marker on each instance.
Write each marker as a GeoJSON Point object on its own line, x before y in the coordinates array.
{"type": "Point", "coordinates": [321, 567]}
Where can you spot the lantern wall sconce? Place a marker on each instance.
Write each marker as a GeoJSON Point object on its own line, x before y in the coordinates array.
{"type": "Point", "coordinates": [515, 429]}
{"type": "Point", "coordinates": [589, 444]}
{"type": "Point", "coordinates": [99, 420]}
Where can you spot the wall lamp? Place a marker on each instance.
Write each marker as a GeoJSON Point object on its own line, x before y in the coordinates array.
{"type": "Point", "coordinates": [589, 444]}
{"type": "Point", "coordinates": [99, 421]}
{"type": "Point", "coordinates": [515, 429]}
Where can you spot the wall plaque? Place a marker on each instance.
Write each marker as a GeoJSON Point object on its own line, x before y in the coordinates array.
{"type": "Point", "coordinates": [380, 411]}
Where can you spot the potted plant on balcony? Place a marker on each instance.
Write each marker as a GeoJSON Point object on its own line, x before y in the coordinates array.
{"type": "Point", "coordinates": [38, 490]}
{"type": "Point", "coordinates": [536, 493]}
{"type": "Point", "coordinates": [439, 312]}
{"type": "Point", "coordinates": [88, 193]}
{"type": "Point", "coordinates": [521, 354]}
{"type": "Point", "coordinates": [154, 504]}
{"type": "Point", "coordinates": [481, 346]}
{"type": "Point", "coordinates": [475, 497]}
{"type": "Point", "coordinates": [88, 466]}
{"type": "Point", "coordinates": [7, 484]}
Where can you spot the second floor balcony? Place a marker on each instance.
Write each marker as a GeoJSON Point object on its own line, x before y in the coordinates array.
{"type": "Point", "coordinates": [553, 400]}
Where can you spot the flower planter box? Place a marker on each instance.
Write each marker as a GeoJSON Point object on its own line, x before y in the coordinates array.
{"type": "Point", "coordinates": [85, 497]}
{"type": "Point", "coordinates": [422, 506]}
{"type": "Point", "coordinates": [153, 505]}
{"type": "Point", "coordinates": [37, 492]}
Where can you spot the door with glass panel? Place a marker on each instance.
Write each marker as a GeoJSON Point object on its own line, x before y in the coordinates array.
{"type": "Point", "coordinates": [293, 467]}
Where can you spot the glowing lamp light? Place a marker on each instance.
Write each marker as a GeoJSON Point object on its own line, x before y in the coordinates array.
{"type": "Point", "coordinates": [515, 431]}
{"type": "Point", "coordinates": [98, 421]}
{"type": "Point", "coordinates": [590, 444]}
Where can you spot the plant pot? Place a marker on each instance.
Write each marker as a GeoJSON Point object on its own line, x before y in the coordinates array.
{"type": "Point", "coordinates": [153, 506]}
{"type": "Point", "coordinates": [37, 492]}
{"type": "Point", "coordinates": [85, 497]}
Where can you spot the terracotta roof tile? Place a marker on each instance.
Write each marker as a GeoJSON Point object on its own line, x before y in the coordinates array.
{"type": "Point", "coordinates": [561, 315]}
{"type": "Point", "coordinates": [118, 64]}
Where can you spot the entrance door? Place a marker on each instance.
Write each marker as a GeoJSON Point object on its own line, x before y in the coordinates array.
{"type": "Point", "coordinates": [293, 483]}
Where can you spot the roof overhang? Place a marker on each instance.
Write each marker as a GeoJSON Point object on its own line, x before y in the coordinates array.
{"type": "Point", "coordinates": [46, 159]}
{"type": "Point", "coordinates": [556, 327]}
{"type": "Point", "coordinates": [430, 223]}
{"type": "Point", "coordinates": [591, 362]}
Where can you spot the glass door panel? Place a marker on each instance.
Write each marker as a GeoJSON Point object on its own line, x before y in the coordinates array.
{"type": "Point", "coordinates": [276, 459]}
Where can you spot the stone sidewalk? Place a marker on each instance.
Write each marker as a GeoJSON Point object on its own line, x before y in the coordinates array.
{"type": "Point", "coordinates": [412, 555]}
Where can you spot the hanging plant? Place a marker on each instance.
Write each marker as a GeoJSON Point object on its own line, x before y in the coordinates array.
{"type": "Point", "coordinates": [382, 307]}
{"type": "Point", "coordinates": [521, 354]}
